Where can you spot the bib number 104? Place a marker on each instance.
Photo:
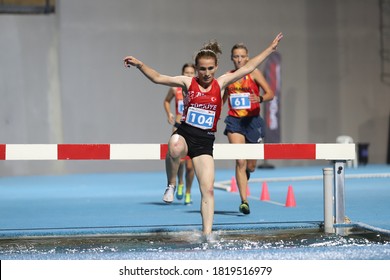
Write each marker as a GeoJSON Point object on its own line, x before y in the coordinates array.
{"type": "Point", "coordinates": [200, 118]}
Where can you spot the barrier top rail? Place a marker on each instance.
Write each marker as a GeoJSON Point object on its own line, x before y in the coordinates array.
{"type": "Point", "coordinates": [326, 151]}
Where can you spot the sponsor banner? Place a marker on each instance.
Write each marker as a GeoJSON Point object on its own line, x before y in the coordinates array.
{"type": "Point", "coordinates": [273, 108]}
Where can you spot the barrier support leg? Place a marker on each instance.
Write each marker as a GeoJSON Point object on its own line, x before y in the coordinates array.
{"type": "Point", "coordinates": [339, 193]}
{"type": "Point", "coordinates": [328, 200]}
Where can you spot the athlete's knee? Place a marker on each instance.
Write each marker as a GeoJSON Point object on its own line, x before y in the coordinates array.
{"type": "Point", "coordinates": [241, 163]}
{"type": "Point", "coordinates": [176, 146]}
{"type": "Point", "coordinates": [190, 170]}
{"type": "Point", "coordinates": [250, 169]}
{"type": "Point", "coordinates": [251, 165]}
{"type": "Point", "coordinates": [209, 192]}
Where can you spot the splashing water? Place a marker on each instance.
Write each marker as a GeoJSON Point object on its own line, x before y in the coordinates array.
{"type": "Point", "coordinates": [252, 244]}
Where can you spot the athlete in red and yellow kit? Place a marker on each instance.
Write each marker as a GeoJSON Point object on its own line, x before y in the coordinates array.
{"type": "Point", "coordinates": [202, 107]}
{"type": "Point", "coordinates": [244, 123]}
{"type": "Point", "coordinates": [176, 94]}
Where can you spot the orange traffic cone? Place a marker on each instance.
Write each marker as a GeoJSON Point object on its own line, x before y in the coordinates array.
{"type": "Point", "coordinates": [290, 200]}
{"type": "Point", "coordinates": [264, 192]}
{"type": "Point", "coordinates": [233, 185]}
{"type": "Point", "coordinates": [248, 191]}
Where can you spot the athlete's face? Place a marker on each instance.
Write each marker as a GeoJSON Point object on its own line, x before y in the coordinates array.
{"type": "Point", "coordinates": [189, 71]}
{"type": "Point", "coordinates": [206, 70]}
{"type": "Point", "coordinates": [239, 57]}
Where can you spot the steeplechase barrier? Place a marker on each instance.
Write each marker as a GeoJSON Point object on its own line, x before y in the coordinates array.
{"type": "Point", "coordinates": [334, 190]}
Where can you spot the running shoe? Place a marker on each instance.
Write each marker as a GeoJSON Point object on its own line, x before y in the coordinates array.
{"type": "Point", "coordinates": [244, 207]}
{"type": "Point", "coordinates": [187, 199]}
{"type": "Point", "coordinates": [169, 193]}
{"type": "Point", "coordinates": [179, 193]}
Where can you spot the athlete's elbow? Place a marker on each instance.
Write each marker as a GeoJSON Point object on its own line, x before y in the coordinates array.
{"type": "Point", "coordinates": [270, 95]}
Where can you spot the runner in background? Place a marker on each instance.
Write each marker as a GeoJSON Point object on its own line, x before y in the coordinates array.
{"type": "Point", "coordinates": [244, 123]}
{"type": "Point", "coordinates": [176, 93]}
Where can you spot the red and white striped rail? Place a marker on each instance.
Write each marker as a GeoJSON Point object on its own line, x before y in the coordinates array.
{"type": "Point", "coordinates": [158, 151]}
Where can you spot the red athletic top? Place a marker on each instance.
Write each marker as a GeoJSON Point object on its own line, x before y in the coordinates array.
{"type": "Point", "coordinates": [179, 101]}
{"type": "Point", "coordinates": [237, 92]}
{"type": "Point", "coordinates": [202, 109]}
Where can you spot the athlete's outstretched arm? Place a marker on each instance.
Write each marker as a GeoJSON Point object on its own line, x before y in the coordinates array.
{"type": "Point", "coordinates": [154, 76]}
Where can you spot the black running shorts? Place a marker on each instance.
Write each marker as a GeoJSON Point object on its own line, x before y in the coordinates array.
{"type": "Point", "coordinates": [199, 141]}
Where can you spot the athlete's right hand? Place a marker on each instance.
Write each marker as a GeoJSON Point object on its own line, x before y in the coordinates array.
{"type": "Point", "coordinates": [132, 61]}
{"type": "Point", "coordinates": [171, 119]}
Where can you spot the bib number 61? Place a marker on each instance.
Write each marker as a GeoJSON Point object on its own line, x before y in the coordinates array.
{"type": "Point", "coordinates": [240, 100]}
